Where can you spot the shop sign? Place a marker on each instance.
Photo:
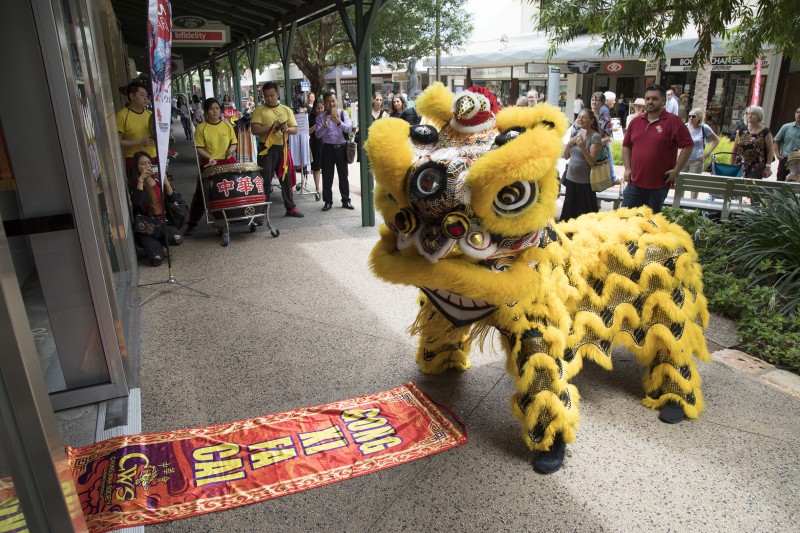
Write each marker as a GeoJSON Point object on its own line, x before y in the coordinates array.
{"type": "Point", "coordinates": [614, 67]}
{"type": "Point", "coordinates": [497, 73]}
{"type": "Point", "coordinates": [651, 67]}
{"type": "Point", "coordinates": [305, 86]}
{"type": "Point", "coordinates": [188, 22]}
{"type": "Point", "coordinates": [448, 71]}
{"type": "Point", "coordinates": [399, 76]}
{"type": "Point", "coordinates": [197, 31]}
{"type": "Point", "coordinates": [583, 67]}
{"type": "Point", "coordinates": [525, 73]}
{"type": "Point", "coordinates": [718, 64]}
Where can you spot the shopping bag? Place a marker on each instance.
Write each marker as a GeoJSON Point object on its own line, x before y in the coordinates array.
{"type": "Point", "coordinates": [600, 176]}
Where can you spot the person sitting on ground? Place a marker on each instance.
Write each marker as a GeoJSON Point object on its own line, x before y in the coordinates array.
{"type": "Point", "coordinates": [215, 141]}
{"type": "Point", "coordinates": [145, 193]}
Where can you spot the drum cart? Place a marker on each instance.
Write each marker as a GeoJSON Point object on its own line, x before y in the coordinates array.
{"type": "Point", "coordinates": [231, 195]}
{"type": "Point", "coordinates": [237, 193]}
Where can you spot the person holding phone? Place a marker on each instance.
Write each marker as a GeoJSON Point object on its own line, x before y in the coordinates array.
{"type": "Point", "coordinates": [583, 150]}
{"type": "Point", "coordinates": [145, 193]}
{"type": "Point", "coordinates": [333, 126]}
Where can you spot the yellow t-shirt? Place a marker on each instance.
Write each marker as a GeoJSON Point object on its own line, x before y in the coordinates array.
{"type": "Point", "coordinates": [267, 116]}
{"type": "Point", "coordinates": [135, 126]}
{"type": "Point", "coordinates": [215, 138]}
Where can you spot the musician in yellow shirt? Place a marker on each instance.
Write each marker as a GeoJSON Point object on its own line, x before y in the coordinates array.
{"type": "Point", "coordinates": [135, 126]}
{"type": "Point", "coordinates": [273, 122]}
{"type": "Point", "coordinates": [215, 140]}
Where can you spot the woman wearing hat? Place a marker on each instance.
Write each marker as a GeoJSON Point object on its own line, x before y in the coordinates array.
{"type": "Point", "coordinates": [638, 108]}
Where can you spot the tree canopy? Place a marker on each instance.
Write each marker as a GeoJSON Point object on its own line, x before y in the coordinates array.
{"type": "Point", "coordinates": [643, 26]}
{"type": "Point", "coordinates": [405, 30]}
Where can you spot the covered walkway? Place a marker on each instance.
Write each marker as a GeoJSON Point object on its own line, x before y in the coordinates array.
{"type": "Point", "coordinates": [299, 321]}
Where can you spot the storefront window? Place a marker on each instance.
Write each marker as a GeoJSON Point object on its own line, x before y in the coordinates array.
{"type": "Point", "coordinates": [500, 88]}
{"type": "Point", "coordinates": [728, 98]}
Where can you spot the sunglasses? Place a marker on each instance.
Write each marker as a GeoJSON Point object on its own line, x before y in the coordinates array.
{"type": "Point", "coordinates": [692, 116]}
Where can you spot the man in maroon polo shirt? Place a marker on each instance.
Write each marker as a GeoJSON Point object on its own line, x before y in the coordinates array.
{"type": "Point", "coordinates": [650, 152]}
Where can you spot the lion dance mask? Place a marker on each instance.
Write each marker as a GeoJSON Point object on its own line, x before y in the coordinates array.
{"type": "Point", "coordinates": [468, 199]}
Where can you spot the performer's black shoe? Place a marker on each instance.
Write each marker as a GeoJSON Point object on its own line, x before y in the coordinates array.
{"type": "Point", "coordinates": [189, 230]}
{"type": "Point", "coordinates": [551, 460]}
{"type": "Point", "coordinates": [671, 413]}
{"type": "Point", "coordinates": [327, 206]}
{"type": "Point", "coordinates": [347, 205]}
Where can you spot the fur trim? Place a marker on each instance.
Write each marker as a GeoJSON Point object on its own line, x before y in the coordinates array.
{"type": "Point", "coordinates": [435, 104]}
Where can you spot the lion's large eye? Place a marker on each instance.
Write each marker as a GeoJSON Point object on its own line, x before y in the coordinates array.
{"type": "Point", "coordinates": [515, 197]}
{"type": "Point", "coordinates": [430, 181]}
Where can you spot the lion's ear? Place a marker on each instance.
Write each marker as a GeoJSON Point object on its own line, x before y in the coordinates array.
{"type": "Point", "coordinates": [529, 117]}
{"type": "Point", "coordinates": [390, 155]}
{"type": "Point", "coordinates": [435, 104]}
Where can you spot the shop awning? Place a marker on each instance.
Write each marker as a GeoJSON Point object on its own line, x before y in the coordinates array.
{"type": "Point", "coordinates": [247, 19]}
{"type": "Point", "coordinates": [534, 48]}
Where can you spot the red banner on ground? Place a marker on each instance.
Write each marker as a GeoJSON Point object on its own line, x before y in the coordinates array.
{"type": "Point", "coordinates": [144, 479]}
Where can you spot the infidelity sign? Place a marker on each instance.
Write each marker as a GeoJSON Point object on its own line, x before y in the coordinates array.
{"type": "Point", "coordinates": [197, 31]}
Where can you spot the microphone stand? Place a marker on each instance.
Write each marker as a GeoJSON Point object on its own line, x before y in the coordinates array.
{"type": "Point", "coordinates": [171, 280]}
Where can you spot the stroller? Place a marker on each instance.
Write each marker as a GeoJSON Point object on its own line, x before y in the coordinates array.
{"type": "Point", "coordinates": [733, 169]}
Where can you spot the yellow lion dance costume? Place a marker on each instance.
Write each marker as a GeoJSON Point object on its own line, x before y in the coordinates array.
{"type": "Point", "coordinates": [468, 200]}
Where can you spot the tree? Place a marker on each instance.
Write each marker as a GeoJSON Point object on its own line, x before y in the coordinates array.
{"type": "Point", "coordinates": [407, 30]}
{"type": "Point", "coordinates": [643, 26]}
{"type": "Point", "coordinates": [319, 47]}
{"type": "Point", "coordinates": [404, 32]}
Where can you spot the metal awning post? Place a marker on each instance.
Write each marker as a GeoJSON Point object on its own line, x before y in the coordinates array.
{"type": "Point", "coordinates": [212, 66]}
{"type": "Point", "coordinates": [201, 73]}
{"type": "Point", "coordinates": [285, 46]}
{"type": "Point", "coordinates": [360, 37]}
{"type": "Point", "coordinates": [251, 49]}
{"type": "Point", "coordinates": [233, 59]}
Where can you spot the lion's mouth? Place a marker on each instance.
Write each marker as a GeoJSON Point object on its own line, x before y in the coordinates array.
{"type": "Point", "coordinates": [458, 309]}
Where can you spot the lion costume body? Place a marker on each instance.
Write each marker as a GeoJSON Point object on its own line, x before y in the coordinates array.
{"type": "Point", "coordinates": [468, 201]}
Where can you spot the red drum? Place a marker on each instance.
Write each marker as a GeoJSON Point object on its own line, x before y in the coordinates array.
{"type": "Point", "coordinates": [235, 186]}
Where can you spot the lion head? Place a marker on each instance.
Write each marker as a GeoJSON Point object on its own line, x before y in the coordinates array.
{"type": "Point", "coordinates": [465, 197]}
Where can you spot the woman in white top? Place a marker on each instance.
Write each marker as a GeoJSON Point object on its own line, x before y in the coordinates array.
{"type": "Point", "coordinates": [701, 135]}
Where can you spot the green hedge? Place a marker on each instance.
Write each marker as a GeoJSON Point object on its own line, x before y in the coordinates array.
{"type": "Point", "coordinates": [751, 273]}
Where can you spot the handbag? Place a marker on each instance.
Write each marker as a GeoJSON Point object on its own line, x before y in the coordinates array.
{"type": "Point", "coordinates": [600, 176]}
{"type": "Point", "coordinates": [351, 146]}
{"type": "Point", "coordinates": [146, 225]}
{"type": "Point", "coordinates": [351, 151]}
{"type": "Point", "coordinates": [177, 210]}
